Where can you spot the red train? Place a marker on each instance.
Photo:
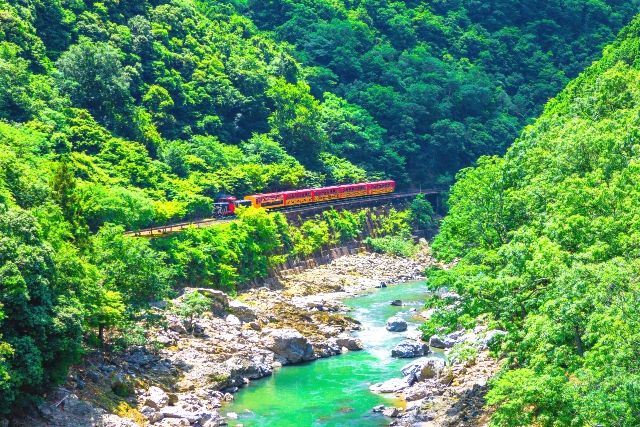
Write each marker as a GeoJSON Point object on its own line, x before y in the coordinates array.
{"type": "Point", "coordinates": [226, 205]}
{"type": "Point", "coordinates": [318, 195]}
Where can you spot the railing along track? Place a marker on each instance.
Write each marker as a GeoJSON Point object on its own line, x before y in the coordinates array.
{"type": "Point", "coordinates": [172, 228]}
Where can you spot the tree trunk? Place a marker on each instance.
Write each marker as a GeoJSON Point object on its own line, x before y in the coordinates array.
{"type": "Point", "coordinates": [101, 335]}
{"type": "Point", "coordinates": [578, 340]}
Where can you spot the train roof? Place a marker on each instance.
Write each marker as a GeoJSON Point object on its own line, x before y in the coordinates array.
{"type": "Point", "coordinates": [389, 181]}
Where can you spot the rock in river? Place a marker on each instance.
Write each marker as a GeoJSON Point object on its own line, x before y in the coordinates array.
{"type": "Point", "coordinates": [410, 348]}
{"type": "Point", "coordinates": [396, 302]}
{"type": "Point", "coordinates": [289, 344]}
{"type": "Point", "coordinates": [396, 324]}
{"type": "Point", "coordinates": [349, 342]}
{"type": "Point", "coordinates": [391, 386]}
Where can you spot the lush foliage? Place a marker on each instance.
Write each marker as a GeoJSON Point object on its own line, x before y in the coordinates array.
{"type": "Point", "coordinates": [393, 245]}
{"type": "Point", "coordinates": [393, 229]}
{"type": "Point", "coordinates": [548, 244]}
{"type": "Point", "coordinates": [432, 85]}
{"type": "Point", "coordinates": [193, 305]}
{"type": "Point", "coordinates": [120, 114]}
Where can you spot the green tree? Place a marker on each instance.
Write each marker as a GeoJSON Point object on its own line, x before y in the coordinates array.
{"type": "Point", "coordinates": [546, 239]}
{"type": "Point", "coordinates": [92, 74]}
{"type": "Point", "coordinates": [421, 215]}
{"type": "Point", "coordinates": [296, 119]}
{"type": "Point", "coordinates": [105, 310]}
{"type": "Point", "coordinates": [41, 330]}
{"type": "Point", "coordinates": [193, 305]}
{"type": "Point", "coordinates": [63, 186]}
{"type": "Point", "coordinates": [131, 266]}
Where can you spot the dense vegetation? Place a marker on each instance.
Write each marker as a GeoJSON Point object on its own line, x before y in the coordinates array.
{"type": "Point", "coordinates": [57, 300]}
{"type": "Point", "coordinates": [119, 114]}
{"type": "Point", "coordinates": [442, 81]}
{"type": "Point", "coordinates": [548, 244]}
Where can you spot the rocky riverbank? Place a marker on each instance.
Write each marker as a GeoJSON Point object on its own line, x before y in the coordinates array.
{"type": "Point", "coordinates": [438, 393]}
{"type": "Point", "coordinates": [185, 372]}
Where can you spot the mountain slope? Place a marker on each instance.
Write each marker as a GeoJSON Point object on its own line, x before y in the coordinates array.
{"type": "Point", "coordinates": [447, 80]}
{"type": "Point", "coordinates": [119, 114]}
{"type": "Point", "coordinates": [548, 240]}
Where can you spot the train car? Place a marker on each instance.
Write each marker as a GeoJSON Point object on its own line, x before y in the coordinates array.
{"type": "Point", "coordinates": [267, 201]}
{"type": "Point", "coordinates": [325, 194]}
{"type": "Point", "coordinates": [298, 197]}
{"type": "Point", "coordinates": [380, 187]}
{"type": "Point", "coordinates": [319, 195]}
{"type": "Point", "coordinates": [354, 190]}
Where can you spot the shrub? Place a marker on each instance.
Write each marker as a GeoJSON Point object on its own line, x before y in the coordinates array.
{"type": "Point", "coordinates": [392, 245]}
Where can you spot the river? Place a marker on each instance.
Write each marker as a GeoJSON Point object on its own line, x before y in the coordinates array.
{"type": "Point", "coordinates": [335, 391]}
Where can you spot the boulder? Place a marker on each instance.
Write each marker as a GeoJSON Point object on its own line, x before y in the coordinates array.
{"type": "Point", "coordinates": [140, 358]}
{"type": "Point", "coordinates": [391, 412]}
{"type": "Point", "coordinates": [438, 342]}
{"type": "Point", "coordinates": [289, 344]}
{"type": "Point", "coordinates": [327, 348]}
{"type": "Point", "coordinates": [409, 348]}
{"type": "Point", "coordinates": [159, 304]}
{"type": "Point", "coordinates": [396, 324]}
{"type": "Point", "coordinates": [151, 414]}
{"type": "Point", "coordinates": [175, 324]}
{"type": "Point", "coordinates": [423, 369]}
{"type": "Point", "coordinates": [396, 302]}
{"type": "Point", "coordinates": [242, 311]}
{"type": "Point", "coordinates": [246, 368]}
{"type": "Point", "coordinates": [192, 417]}
{"type": "Point", "coordinates": [233, 320]}
{"type": "Point", "coordinates": [77, 407]}
{"type": "Point", "coordinates": [416, 392]}
{"type": "Point", "coordinates": [390, 386]}
{"type": "Point", "coordinates": [165, 340]}
{"type": "Point", "coordinates": [349, 342]}
{"type": "Point", "coordinates": [156, 398]}
{"type": "Point", "coordinates": [455, 336]}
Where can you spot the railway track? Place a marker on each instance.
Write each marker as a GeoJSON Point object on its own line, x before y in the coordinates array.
{"type": "Point", "coordinates": [304, 209]}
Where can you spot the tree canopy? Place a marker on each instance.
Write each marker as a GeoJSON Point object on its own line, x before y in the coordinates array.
{"type": "Point", "coordinates": [118, 115]}
{"type": "Point", "coordinates": [547, 241]}
{"type": "Point", "coordinates": [441, 82]}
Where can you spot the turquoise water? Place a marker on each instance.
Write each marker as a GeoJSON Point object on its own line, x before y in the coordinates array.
{"type": "Point", "coordinates": [335, 391]}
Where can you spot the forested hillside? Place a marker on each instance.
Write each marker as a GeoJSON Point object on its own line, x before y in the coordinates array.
{"type": "Point", "coordinates": [446, 80]}
{"type": "Point", "coordinates": [548, 241]}
{"type": "Point", "coordinates": [116, 115]}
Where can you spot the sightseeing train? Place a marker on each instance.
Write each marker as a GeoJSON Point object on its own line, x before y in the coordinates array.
{"type": "Point", "coordinates": [226, 205]}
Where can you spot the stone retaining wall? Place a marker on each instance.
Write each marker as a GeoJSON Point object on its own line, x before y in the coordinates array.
{"type": "Point", "coordinates": [297, 265]}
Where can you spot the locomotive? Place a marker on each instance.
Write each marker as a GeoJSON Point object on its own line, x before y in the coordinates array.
{"type": "Point", "coordinates": [226, 205]}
